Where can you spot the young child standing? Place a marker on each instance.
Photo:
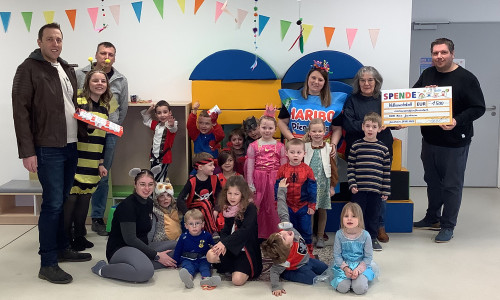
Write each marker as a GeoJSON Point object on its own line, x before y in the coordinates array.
{"type": "Point", "coordinates": [190, 252]}
{"type": "Point", "coordinates": [204, 131]}
{"type": "Point", "coordinates": [164, 129]}
{"type": "Point", "coordinates": [227, 162]}
{"type": "Point", "coordinates": [301, 195]}
{"type": "Point", "coordinates": [288, 251]}
{"type": "Point", "coordinates": [252, 131]}
{"type": "Point", "coordinates": [369, 174]}
{"type": "Point", "coordinates": [236, 144]}
{"type": "Point", "coordinates": [264, 157]}
{"type": "Point", "coordinates": [324, 168]}
{"type": "Point", "coordinates": [238, 251]}
{"type": "Point", "coordinates": [352, 252]}
{"type": "Point", "coordinates": [201, 191]}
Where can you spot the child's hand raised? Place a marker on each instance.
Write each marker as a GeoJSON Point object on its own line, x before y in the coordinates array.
{"type": "Point", "coordinates": [278, 293]}
{"type": "Point", "coordinates": [283, 183]}
{"type": "Point", "coordinates": [196, 105]}
{"type": "Point", "coordinates": [170, 120]}
{"type": "Point", "coordinates": [151, 108]}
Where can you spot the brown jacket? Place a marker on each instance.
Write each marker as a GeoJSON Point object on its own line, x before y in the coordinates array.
{"type": "Point", "coordinates": [38, 105]}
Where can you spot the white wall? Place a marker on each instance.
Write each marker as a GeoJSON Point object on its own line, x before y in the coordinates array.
{"type": "Point", "coordinates": [456, 10]}
{"type": "Point", "coordinates": [158, 55]}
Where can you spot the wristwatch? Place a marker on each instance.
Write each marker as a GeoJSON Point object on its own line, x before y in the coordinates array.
{"type": "Point", "coordinates": [157, 257]}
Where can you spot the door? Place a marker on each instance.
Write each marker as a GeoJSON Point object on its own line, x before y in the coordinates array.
{"type": "Point", "coordinates": [478, 44]}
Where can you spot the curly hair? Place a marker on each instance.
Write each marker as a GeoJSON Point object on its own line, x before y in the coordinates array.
{"type": "Point", "coordinates": [246, 194]}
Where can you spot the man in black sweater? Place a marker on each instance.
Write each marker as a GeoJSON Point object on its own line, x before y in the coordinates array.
{"type": "Point", "coordinates": [445, 147]}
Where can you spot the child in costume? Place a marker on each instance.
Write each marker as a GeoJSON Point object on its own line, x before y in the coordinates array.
{"type": "Point", "coordinates": [237, 145]}
{"type": "Point", "coordinates": [252, 131]}
{"type": "Point", "coordinates": [227, 161]}
{"type": "Point", "coordinates": [201, 191]}
{"type": "Point", "coordinates": [352, 252]}
{"type": "Point", "coordinates": [288, 251]}
{"type": "Point", "coordinates": [264, 158]}
{"type": "Point", "coordinates": [164, 129]}
{"type": "Point", "coordinates": [238, 251]}
{"type": "Point", "coordinates": [324, 168]}
{"type": "Point", "coordinates": [190, 252]}
{"type": "Point", "coordinates": [301, 195]}
{"type": "Point", "coordinates": [166, 227]}
{"type": "Point", "coordinates": [204, 131]}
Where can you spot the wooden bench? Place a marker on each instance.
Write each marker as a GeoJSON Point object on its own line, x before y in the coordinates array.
{"type": "Point", "coordinates": [10, 212]}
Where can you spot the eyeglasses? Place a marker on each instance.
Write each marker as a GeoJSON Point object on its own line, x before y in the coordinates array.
{"type": "Point", "coordinates": [195, 224]}
{"type": "Point", "coordinates": [369, 81]}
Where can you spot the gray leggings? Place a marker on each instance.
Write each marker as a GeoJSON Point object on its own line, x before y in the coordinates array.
{"type": "Point", "coordinates": [359, 285]}
{"type": "Point", "coordinates": [129, 264]}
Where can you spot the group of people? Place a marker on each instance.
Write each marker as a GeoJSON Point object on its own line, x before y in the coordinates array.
{"type": "Point", "coordinates": [257, 196]}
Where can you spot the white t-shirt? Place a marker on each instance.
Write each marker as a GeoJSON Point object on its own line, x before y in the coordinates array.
{"type": "Point", "coordinates": [69, 107]}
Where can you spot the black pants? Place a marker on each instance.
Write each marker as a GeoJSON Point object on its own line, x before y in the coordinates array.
{"type": "Point", "coordinates": [370, 203]}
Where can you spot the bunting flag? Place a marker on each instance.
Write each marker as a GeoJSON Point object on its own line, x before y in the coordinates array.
{"type": "Point", "coordinates": [242, 14]}
{"type": "Point", "coordinates": [328, 35]}
{"type": "Point", "coordinates": [27, 16]}
{"type": "Point", "coordinates": [5, 15]}
{"type": "Point", "coordinates": [182, 4]}
{"type": "Point", "coordinates": [159, 6]}
{"type": "Point", "coordinates": [197, 4]}
{"type": "Point", "coordinates": [218, 10]}
{"type": "Point", "coordinates": [351, 34]}
{"type": "Point", "coordinates": [49, 16]}
{"type": "Point", "coordinates": [93, 14]}
{"type": "Point", "coordinates": [307, 30]}
{"type": "Point", "coordinates": [71, 13]}
{"type": "Point", "coordinates": [285, 25]}
{"type": "Point", "coordinates": [262, 23]}
{"type": "Point", "coordinates": [374, 36]}
{"type": "Point", "coordinates": [137, 9]}
{"type": "Point", "coordinates": [115, 11]}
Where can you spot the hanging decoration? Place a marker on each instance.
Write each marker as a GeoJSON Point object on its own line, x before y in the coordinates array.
{"type": "Point", "coordinates": [197, 4]}
{"type": "Point", "coordinates": [115, 11]}
{"type": "Point", "coordinates": [255, 15]}
{"type": "Point", "coordinates": [159, 6]}
{"type": "Point", "coordinates": [93, 11]}
{"type": "Point", "coordinates": [27, 16]}
{"type": "Point", "coordinates": [71, 13]}
{"type": "Point", "coordinates": [49, 16]}
{"type": "Point", "coordinates": [5, 19]}
{"type": "Point", "coordinates": [242, 14]}
{"type": "Point", "coordinates": [300, 38]}
{"type": "Point", "coordinates": [351, 34]}
{"type": "Point", "coordinates": [104, 25]}
{"type": "Point", "coordinates": [328, 35]}
{"type": "Point", "coordinates": [284, 28]}
{"type": "Point", "coordinates": [137, 9]}
{"type": "Point", "coordinates": [374, 36]}
{"type": "Point", "coordinates": [218, 10]}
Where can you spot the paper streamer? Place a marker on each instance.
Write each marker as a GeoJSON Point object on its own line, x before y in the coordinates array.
{"type": "Point", "coordinates": [328, 35]}
{"type": "Point", "coordinates": [351, 34]}
{"type": "Point", "coordinates": [374, 36]}
{"type": "Point", "coordinates": [138, 9]}
{"type": "Point", "coordinates": [5, 15]}
{"type": "Point", "coordinates": [49, 16]}
{"type": "Point", "coordinates": [159, 6]}
{"type": "Point", "coordinates": [71, 13]}
{"type": "Point", "coordinates": [262, 23]}
{"type": "Point", "coordinates": [218, 10]}
{"type": "Point", "coordinates": [242, 14]}
{"type": "Point", "coordinates": [307, 31]}
{"type": "Point", "coordinates": [27, 16]}
{"type": "Point", "coordinates": [285, 25]}
{"type": "Point", "coordinates": [115, 11]}
{"type": "Point", "coordinates": [93, 14]}
{"type": "Point", "coordinates": [182, 4]}
{"type": "Point", "coordinates": [197, 4]}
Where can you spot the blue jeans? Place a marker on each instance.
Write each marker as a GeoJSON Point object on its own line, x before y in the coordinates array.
{"type": "Point", "coordinates": [301, 221]}
{"type": "Point", "coordinates": [56, 171]}
{"type": "Point", "coordinates": [100, 196]}
{"type": "Point", "coordinates": [444, 171]}
{"type": "Point", "coordinates": [370, 203]}
{"type": "Point", "coordinates": [199, 265]}
{"type": "Point", "coordinates": [306, 273]}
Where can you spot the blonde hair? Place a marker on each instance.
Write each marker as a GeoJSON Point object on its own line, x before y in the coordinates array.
{"type": "Point", "coordinates": [356, 211]}
{"type": "Point", "coordinates": [295, 142]}
{"type": "Point", "coordinates": [315, 121]}
{"type": "Point", "coordinates": [275, 248]}
{"type": "Point", "coordinates": [194, 214]}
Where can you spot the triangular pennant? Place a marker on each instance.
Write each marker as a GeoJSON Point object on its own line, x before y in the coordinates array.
{"type": "Point", "coordinates": [49, 16]}
{"type": "Point", "coordinates": [115, 11]}
{"type": "Point", "coordinates": [307, 31]}
{"type": "Point", "coordinates": [159, 6]}
{"type": "Point", "coordinates": [218, 10]}
{"type": "Point", "coordinates": [137, 9]}
{"type": "Point", "coordinates": [374, 36]}
{"type": "Point", "coordinates": [182, 4]}
{"type": "Point", "coordinates": [5, 15]}
{"type": "Point", "coordinates": [197, 4]}
{"type": "Point", "coordinates": [328, 35]}
{"type": "Point", "coordinates": [351, 34]}
{"type": "Point", "coordinates": [27, 16]}
{"type": "Point", "coordinates": [242, 14]}
{"type": "Point", "coordinates": [93, 14]}
{"type": "Point", "coordinates": [71, 13]}
{"type": "Point", "coordinates": [262, 22]}
{"type": "Point", "coordinates": [285, 25]}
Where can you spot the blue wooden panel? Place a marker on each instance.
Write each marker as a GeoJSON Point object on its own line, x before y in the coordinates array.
{"type": "Point", "coordinates": [337, 86]}
{"type": "Point", "coordinates": [232, 65]}
{"type": "Point", "coordinates": [342, 66]}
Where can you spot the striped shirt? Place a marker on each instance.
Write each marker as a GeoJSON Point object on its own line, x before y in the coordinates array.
{"type": "Point", "coordinates": [369, 167]}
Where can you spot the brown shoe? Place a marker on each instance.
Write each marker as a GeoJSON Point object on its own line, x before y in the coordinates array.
{"type": "Point", "coordinates": [382, 235]}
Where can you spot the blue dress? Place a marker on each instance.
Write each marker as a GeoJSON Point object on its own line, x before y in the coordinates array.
{"type": "Point", "coordinates": [353, 252]}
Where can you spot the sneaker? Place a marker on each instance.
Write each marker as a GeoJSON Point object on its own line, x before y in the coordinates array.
{"type": "Point", "coordinates": [211, 281]}
{"type": "Point", "coordinates": [320, 243]}
{"type": "Point", "coordinates": [444, 235]}
{"type": "Point", "coordinates": [81, 243]}
{"type": "Point", "coordinates": [70, 255]}
{"type": "Point", "coordinates": [54, 274]}
{"type": "Point", "coordinates": [99, 226]}
{"type": "Point", "coordinates": [382, 235]}
{"type": "Point", "coordinates": [424, 224]}
{"type": "Point", "coordinates": [186, 278]}
{"type": "Point", "coordinates": [376, 245]}
{"type": "Point", "coordinates": [98, 266]}
{"type": "Point", "coordinates": [325, 236]}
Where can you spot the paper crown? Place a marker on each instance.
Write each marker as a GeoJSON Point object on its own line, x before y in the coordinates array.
{"type": "Point", "coordinates": [270, 110]}
{"type": "Point", "coordinates": [322, 65]}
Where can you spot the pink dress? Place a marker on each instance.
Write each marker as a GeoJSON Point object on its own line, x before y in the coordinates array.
{"type": "Point", "coordinates": [263, 163]}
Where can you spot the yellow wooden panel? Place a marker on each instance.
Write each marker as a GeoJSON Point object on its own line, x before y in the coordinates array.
{"type": "Point", "coordinates": [236, 94]}
{"type": "Point", "coordinates": [396, 155]}
{"type": "Point", "coordinates": [409, 201]}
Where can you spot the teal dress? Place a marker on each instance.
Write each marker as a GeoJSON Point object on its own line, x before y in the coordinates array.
{"type": "Point", "coordinates": [323, 194]}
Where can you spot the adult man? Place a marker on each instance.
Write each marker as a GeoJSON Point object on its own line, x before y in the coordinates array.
{"type": "Point", "coordinates": [119, 87]}
{"type": "Point", "coordinates": [43, 102]}
{"type": "Point", "coordinates": [445, 147]}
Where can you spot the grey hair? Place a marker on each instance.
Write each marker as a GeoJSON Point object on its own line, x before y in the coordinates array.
{"type": "Point", "coordinates": [376, 75]}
